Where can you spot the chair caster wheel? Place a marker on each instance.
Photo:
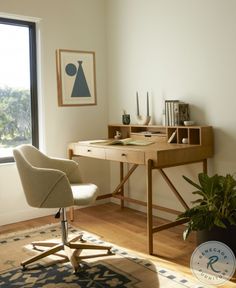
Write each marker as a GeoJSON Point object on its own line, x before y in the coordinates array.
{"type": "Point", "coordinates": [23, 268]}
{"type": "Point", "coordinates": [82, 240]}
{"type": "Point", "coordinates": [109, 252]}
{"type": "Point", "coordinates": [79, 268]}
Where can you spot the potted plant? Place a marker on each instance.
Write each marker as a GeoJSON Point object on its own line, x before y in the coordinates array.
{"type": "Point", "coordinates": [214, 214]}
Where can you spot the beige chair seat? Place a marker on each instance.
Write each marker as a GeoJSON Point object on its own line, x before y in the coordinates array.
{"type": "Point", "coordinates": [55, 183]}
{"type": "Point", "coordinates": [84, 194]}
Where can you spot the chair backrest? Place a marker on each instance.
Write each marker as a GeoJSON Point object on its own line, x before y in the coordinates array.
{"type": "Point", "coordinates": [43, 186]}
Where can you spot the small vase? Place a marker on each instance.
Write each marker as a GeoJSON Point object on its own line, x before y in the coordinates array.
{"type": "Point", "coordinates": [126, 119]}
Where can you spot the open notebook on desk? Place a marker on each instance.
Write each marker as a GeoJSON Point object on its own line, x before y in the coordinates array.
{"type": "Point", "coordinates": [130, 141]}
{"type": "Point", "coordinates": [126, 141]}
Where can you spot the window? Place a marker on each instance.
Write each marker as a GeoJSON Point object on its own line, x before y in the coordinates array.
{"type": "Point", "coordinates": [18, 86]}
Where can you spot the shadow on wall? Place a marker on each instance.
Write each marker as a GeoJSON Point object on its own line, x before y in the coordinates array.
{"type": "Point", "coordinates": [198, 115]}
{"type": "Point", "coordinates": [224, 159]}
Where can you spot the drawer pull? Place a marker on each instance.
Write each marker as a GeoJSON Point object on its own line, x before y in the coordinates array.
{"type": "Point", "coordinates": [123, 154]}
{"type": "Point", "coordinates": [88, 150]}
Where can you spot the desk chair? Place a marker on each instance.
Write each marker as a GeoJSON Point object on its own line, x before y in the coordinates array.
{"type": "Point", "coordinates": [55, 183]}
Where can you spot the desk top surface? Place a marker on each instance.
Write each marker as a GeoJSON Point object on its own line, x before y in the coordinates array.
{"type": "Point", "coordinates": [163, 154]}
{"type": "Point", "coordinates": [155, 146]}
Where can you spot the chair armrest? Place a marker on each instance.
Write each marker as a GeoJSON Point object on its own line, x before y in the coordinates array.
{"type": "Point", "coordinates": [69, 167]}
{"type": "Point", "coordinates": [47, 188]}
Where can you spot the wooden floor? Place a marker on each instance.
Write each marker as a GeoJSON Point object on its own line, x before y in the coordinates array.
{"type": "Point", "coordinates": [123, 227]}
{"type": "Point", "coordinates": [127, 228]}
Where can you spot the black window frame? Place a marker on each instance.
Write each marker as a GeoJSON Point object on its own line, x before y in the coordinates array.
{"type": "Point", "coordinates": [33, 79]}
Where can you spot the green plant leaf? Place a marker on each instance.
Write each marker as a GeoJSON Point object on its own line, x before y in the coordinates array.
{"type": "Point", "coordinates": [198, 201]}
{"type": "Point", "coordinates": [201, 193]}
{"type": "Point", "coordinates": [232, 219]}
{"type": "Point", "coordinates": [192, 183]}
{"type": "Point", "coordinates": [216, 205]}
{"type": "Point", "coordinates": [218, 222]}
{"type": "Point", "coordinates": [210, 185]}
{"type": "Point", "coordinates": [186, 233]}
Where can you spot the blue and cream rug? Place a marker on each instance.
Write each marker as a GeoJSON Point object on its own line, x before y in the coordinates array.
{"type": "Point", "coordinates": [124, 269]}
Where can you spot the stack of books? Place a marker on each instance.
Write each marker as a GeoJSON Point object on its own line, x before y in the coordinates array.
{"type": "Point", "coordinates": [176, 112]}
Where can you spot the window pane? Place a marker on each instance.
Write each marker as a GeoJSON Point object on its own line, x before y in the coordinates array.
{"type": "Point", "coordinates": [15, 98]}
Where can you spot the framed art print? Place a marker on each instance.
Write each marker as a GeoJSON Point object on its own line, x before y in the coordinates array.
{"type": "Point", "coordinates": [76, 81]}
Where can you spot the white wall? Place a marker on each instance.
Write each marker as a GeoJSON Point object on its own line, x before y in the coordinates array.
{"type": "Point", "coordinates": [184, 50]}
{"type": "Point", "coordinates": [75, 25]}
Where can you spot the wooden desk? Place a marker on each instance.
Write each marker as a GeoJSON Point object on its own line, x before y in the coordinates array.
{"type": "Point", "coordinates": [158, 155]}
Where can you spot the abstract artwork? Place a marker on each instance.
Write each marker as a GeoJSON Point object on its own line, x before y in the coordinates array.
{"type": "Point", "coordinates": [76, 77]}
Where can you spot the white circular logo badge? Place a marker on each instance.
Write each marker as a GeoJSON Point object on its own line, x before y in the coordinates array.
{"type": "Point", "coordinates": [213, 263]}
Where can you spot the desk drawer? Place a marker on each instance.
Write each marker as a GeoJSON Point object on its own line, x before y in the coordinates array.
{"type": "Point", "coordinates": [136, 157]}
{"type": "Point", "coordinates": [91, 152]}
{"type": "Point", "coordinates": [151, 137]}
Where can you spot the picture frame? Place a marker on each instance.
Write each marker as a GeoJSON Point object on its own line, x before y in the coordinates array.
{"type": "Point", "coordinates": [76, 78]}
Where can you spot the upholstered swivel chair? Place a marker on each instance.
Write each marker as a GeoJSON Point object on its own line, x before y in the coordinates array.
{"type": "Point", "coordinates": [54, 183]}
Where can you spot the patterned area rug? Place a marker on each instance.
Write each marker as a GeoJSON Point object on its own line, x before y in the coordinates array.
{"type": "Point", "coordinates": [124, 269]}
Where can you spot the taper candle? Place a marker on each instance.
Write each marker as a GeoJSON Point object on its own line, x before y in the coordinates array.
{"type": "Point", "coordinates": [147, 104]}
{"type": "Point", "coordinates": [137, 103]}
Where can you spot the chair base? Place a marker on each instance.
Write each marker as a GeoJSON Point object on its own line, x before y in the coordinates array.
{"type": "Point", "coordinates": [70, 248]}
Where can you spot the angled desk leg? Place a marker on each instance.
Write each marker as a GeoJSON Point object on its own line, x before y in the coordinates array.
{"type": "Point", "coordinates": [149, 206]}
{"type": "Point", "coordinates": [122, 187]}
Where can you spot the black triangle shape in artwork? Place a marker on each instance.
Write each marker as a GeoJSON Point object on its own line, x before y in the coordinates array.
{"type": "Point", "coordinates": [80, 88]}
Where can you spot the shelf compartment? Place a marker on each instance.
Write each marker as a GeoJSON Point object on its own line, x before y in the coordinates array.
{"type": "Point", "coordinates": [172, 134]}
{"type": "Point", "coordinates": [123, 129]}
{"type": "Point", "coordinates": [182, 133]}
{"type": "Point", "coordinates": [194, 136]}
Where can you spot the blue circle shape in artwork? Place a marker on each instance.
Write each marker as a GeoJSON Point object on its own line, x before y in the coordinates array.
{"type": "Point", "coordinates": [70, 69]}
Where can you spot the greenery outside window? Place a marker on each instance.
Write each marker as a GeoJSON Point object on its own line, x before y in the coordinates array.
{"type": "Point", "coordinates": [18, 86]}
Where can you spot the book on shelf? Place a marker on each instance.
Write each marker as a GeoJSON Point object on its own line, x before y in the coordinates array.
{"type": "Point", "coordinates": [169, 112]}
{"type": "Point", "coordinates": [176, 112]}
{"type": "Point", "coordinates": [181, 112]}
{"type": "Point", "coordinates": [172, 137]}
{"type": "Point", "coordinates": [130, 141]}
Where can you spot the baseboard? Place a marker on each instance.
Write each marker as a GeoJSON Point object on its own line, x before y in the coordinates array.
{"type": "Point", "coordinates": [23, 215]}
{"type": "Point", "coordinates": [161, 214]}
{"type": "Point", "coordinates": [31, 213]}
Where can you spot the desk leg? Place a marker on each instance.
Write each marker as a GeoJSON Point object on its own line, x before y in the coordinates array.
{"type": "Point", "coordinates": [149, 206]}
{"type": "Point", "coordinates": [204, 163]}
{"type": "Point", "coordinates": [71, 210]}
{"type": "Point", "coordinates": [121, 179]}
{"type": "Point", "coordinates": [71, 213]}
